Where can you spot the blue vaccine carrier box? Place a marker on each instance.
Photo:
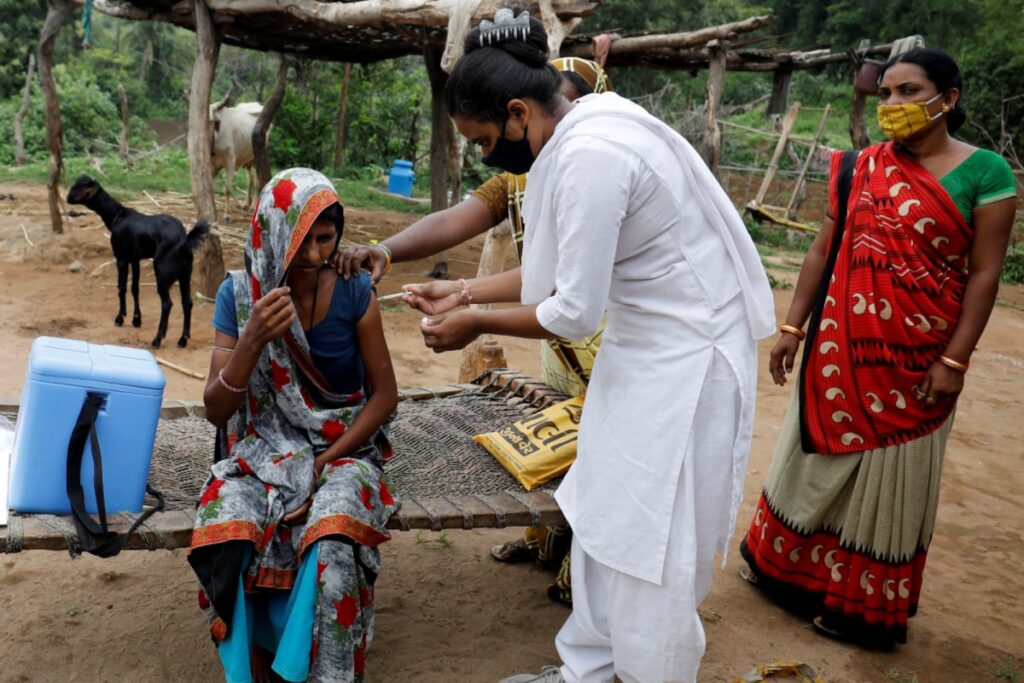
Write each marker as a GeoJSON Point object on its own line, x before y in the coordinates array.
{"type": "Point", "coordinates": [61, 373]}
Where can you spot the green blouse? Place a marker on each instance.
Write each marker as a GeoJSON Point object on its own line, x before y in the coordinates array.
{"type": "Point", "coordinates": [981, 179]}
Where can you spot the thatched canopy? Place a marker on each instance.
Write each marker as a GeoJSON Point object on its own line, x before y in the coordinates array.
{"type": "Point", "coordinates": [347, 31]}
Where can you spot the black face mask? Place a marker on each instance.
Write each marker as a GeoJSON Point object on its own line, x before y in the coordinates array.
{"type": "Point", "coordinates": [514, 156]}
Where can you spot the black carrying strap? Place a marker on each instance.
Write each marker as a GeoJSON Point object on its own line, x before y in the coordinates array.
{"type": "Point", "coordinates": [95, 538]}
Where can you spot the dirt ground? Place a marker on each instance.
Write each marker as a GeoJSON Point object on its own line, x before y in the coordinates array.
{"type": "Point", "coordinates": [447, 612]}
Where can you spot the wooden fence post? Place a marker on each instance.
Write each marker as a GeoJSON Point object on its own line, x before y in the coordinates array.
{"type": "Point", "coordinates": [782, 79]}
{"type": "Point", "coordinates": [200, 146]}
{"type": "Point", "coordinates": [713, 100]}
{"type": "Point", "coordinates": [56, 14]}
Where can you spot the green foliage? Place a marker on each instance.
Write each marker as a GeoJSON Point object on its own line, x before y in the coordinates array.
{"type": "Point", "coordinates": [1013, 267]}
{"type": "Point", "coordinates": [91, 119]}
{"type": "Point", "coordinates": [19, 35]}
{"type": "Point", "coordinates": [167, 171]}
{"type": "Point", "coordinates": [986, 37]}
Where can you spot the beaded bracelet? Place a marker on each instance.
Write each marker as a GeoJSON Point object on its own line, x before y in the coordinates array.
{"type": "Point", "coordinates": [229, 387]}
{"type": "Point", "coordinates": [795, 331]}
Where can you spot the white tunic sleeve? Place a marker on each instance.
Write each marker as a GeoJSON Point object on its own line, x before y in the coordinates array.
{"type": "Point", "coordinates": [594, 182]}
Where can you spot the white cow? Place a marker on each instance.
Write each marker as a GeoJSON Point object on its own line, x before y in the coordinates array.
{"type": "Point", "coordinates": [232, 143]}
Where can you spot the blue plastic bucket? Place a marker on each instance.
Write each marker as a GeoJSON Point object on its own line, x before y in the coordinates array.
{"type": "Point", "coordinates": [401, 177]}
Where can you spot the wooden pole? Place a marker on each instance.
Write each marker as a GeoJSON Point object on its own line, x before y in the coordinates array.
{"type": "Point", "coordinates": [673, 40]}
{"type": "Point", "coordinates": [456, 150]}
{"type": "Point", "coordinates": [780, 146]}
{"type": "Point", "coordinates": [260, 131]}
{"type": "Point", "coordinates": [339, 145]}
{"type": "Point", "coordinates": [713, 100]}
{"type": "Point", "coordinates": [493, 259]}
{"type": "Point", "coordinates": [781, 81]}
{"type": "Point", "coordinates": [122, 141]}
{"type": "Point", "coordinates": [56, 14]}
{"type": "Point", "coordinates": [438, 131]}
{"type": "Point", "coordinates": [797, 196]}
{"type": "Point", "coordinates": [19, 118]}
{"type": "Point", "coordinates": [858, 128]}
{"type": "Point", "coordinates": [200, 145]}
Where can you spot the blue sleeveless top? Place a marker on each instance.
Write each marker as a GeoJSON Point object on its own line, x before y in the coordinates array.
{"type": "Point", "coordinates": [332, 342]}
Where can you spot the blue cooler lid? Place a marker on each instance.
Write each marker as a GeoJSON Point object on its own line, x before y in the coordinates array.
{"type": "Point", "coordinates": [68, 360]}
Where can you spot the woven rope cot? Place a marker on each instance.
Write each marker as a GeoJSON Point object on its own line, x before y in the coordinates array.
{"type": "Point", "coordinates": [446, 480]}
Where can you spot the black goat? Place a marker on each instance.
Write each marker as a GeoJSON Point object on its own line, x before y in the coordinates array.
{"type": "Point", "coordinates": [135, 236]}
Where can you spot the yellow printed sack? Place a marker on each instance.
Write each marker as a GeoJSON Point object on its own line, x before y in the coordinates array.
{"type": "Point", "coordinates": [539, 448]}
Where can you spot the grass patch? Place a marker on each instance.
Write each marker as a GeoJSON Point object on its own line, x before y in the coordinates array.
{"type": "Point", "coordinates": [1007, 671]}
{"type": "Point", "coordinates": [896, 674]}
{"type": "Point", "coordinates": [442, 540]}
{"type": "Point", "coordinates": [169, 172]}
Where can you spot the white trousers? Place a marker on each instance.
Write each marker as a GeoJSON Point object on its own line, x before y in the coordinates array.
{"type": "Point", "coordinates": [640, 631]}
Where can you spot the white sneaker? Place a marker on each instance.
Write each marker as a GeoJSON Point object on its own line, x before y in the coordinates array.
{"type": "Point", "coordinates": [549, 674]}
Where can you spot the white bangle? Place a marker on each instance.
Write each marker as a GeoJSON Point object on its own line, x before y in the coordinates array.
{"type": "Point", "coordinates": [229, 387]}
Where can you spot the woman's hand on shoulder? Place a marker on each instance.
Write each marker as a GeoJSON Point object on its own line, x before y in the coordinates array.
{"type": "Point", "coordinates": [362, 257]}
{"type": "Point", "coordinates": [271, 316]}
{"type": "Point", "coordinates": [433, 298]}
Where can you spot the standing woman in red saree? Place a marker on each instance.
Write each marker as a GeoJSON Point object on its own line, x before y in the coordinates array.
{"type": "Point", "coordinates": [898, 285]}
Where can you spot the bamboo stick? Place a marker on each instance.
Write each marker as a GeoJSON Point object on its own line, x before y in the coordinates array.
{"type": "Point", "coordinates": [179, 368]}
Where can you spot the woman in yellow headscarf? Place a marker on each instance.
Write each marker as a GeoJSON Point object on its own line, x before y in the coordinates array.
{"type": "Point", "coordinates": [566, 364]}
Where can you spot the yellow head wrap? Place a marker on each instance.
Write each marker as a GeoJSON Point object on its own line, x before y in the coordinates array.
{"type": "Point", "coordinates": [587, 70]}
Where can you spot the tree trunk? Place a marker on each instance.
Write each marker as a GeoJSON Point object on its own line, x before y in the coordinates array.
{"type": "Point", "coordinates": [438, 131]}
{"type": "Point", "coordinates": [456, 150]}
{"type": "Point", "coordinates": [339, 143]}
{"type": "Point", "coordinates": [56, 14]}
{"type": "Point", "coordinates": [262, 128]}
{"type": "Point", "coordinates": [200, 146]}
{"type": "Point", "coordinates": [122, 142]}
{"type": "Point", "coordinates": [715, 86]}
{"type": "Point", "coordinates": [493, 260]}
{"type": "Point", "coordinates": [19, 118]}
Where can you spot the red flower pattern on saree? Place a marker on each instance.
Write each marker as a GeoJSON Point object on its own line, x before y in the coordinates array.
{"type": "Point", "coordinates": [281, 374]}
{"type": "Point", "coordinates": [359, 659]}
{"type": "Point", "coordinates": [385, 494]}
{"type": "Point", "coordinates": [346, 609]}
{"type": "Point", "coordinates": [283, 192]}
{"type": "Point", "coordinates": [332, 429]}
{"type": "Point", "coordinates": [211, 493]}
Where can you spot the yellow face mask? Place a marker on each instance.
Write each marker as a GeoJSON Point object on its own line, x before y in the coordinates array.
{"type": "Point", "coordinates": [900, 121]}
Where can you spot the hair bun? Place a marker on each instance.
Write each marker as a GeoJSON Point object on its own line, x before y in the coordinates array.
{"type": "Point", "coordinates": [522, 37]}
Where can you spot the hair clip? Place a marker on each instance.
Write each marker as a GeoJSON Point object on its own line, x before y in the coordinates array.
{"type": "Point", "coordinates": [505, 25]}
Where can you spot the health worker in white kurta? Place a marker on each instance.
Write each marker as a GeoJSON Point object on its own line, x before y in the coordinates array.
{"type": "Point", "coordinates": [621, 216]}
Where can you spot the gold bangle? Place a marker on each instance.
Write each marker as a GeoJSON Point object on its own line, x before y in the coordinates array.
{"type": "Point", "coordinates": [795, 331]}
{"type": "Point", "coordinates": [955, 364]}
{"type": "Point", "coordinates": [387, 255]}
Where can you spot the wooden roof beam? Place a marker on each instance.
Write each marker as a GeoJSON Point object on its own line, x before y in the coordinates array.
{"type": "Point", "coordinates": [640, 44]}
